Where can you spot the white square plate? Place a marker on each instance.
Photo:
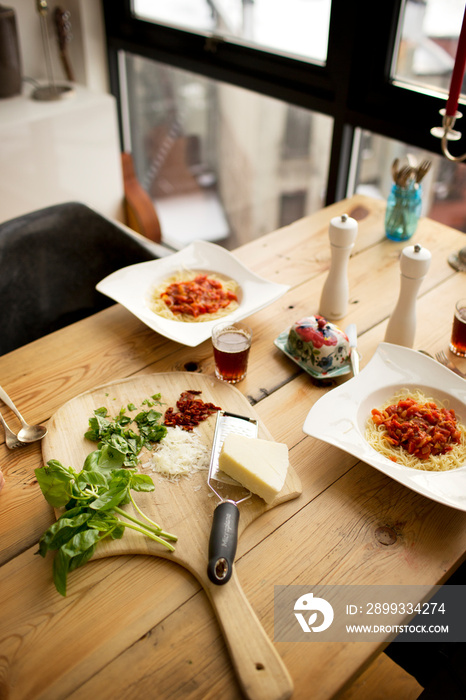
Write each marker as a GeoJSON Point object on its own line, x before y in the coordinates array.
{"type": "Point", "coordinates": [131, 287]}
{"type": "Point", "coordinates": [340, 416]}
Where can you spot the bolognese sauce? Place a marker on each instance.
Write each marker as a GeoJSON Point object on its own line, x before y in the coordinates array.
{"type": "Point", "coordinates": [422, 429]}
{"type": "Point", "coordinates": [202, 295]}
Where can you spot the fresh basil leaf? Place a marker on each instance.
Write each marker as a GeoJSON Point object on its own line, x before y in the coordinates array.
{"type": "Point", "coordinates": [118, 532]}
{"type": "Point", "coordinates": [98, 425]}
{"type": "Point", "coordinates": [102, 521]}
{"type": "Point", "coordinates": [76, 510]}
{"type": "Point", "coordinates": [105, 460]}
{"type": "Point", "coordinates": [104, 484]}
{"type": "Point", "coordinates": [91, 478]}
{"type": "Point", "coordinates": [111, 457]}
{"type": "Point", "coordinates": [91, 461]}
{"type": "Point", "coordinates": [148, 402]}
{"type": "Point", "coordinates": [80, 543]}
{"type": "Point", "coordinates": [55, 483]}
{"type": "Point", "coordinates": [157, 433]}
{"type": "Point", "coordinates": [121, 478]}
{"type": "Point", "coordinates": [83, 558]}
{"type": "Point", "coordinates": [102, 411]}
{"type": "Point", "coordinates": [56, 466]}
{"type": "Point", "coordinates": [145, 417]}
{"type": "Point", "coordinates": [109, 499]}
{"type": "Point", "coordinates": [61, 531]}
{"type": "Point", "coordinates": [141, 482]}
{"type": "Point", "coordinates": [134, 444]}
{"type": "Point", "coordinates": [117, 443]}
{"type": "Point", "coordinates": [61, 564]}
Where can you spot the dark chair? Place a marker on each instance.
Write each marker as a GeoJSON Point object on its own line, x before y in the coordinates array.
{"type": "Point", "coordinates": [50, 262]}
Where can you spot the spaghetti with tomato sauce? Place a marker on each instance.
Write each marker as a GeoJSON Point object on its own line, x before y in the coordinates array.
{"type": "Point", "coordinates": [194, 296]}
{"type": "Point", "coordinates": [413, 430]}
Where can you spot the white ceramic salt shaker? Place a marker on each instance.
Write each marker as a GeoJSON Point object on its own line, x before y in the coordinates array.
{"type": "Point", "coordinates": [335, 293]}
{"type": "Point", "coordinates": [414, 264]}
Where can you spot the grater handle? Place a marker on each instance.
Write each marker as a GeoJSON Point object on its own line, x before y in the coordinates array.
{"type": "Point", "coordinates": [222, 542]}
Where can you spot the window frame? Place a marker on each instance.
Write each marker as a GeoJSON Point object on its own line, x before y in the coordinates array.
{"type": "Point", "coordinates": [354, 87]}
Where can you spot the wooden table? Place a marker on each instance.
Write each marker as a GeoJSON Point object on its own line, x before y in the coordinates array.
{"type": "Point", "coordinates": [352, 525]}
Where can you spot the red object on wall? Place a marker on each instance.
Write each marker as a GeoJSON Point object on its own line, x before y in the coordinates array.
{"type": "Point", "coordinates": [458, 72]}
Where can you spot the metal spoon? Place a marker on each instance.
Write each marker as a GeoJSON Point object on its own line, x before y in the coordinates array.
{"type": "Point", "coordinates": [28, 433]}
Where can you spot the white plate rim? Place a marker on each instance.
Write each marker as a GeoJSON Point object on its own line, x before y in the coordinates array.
{"type": "Point", "coordinates": [337, 418]}
{"type": "Point", "coordinates": [129, 286]}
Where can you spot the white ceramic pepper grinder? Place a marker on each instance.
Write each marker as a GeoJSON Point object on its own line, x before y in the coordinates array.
{"type": "Point", "coordinates": [414, 264]}
{"type": "Point", "coordinates": [334, 299]}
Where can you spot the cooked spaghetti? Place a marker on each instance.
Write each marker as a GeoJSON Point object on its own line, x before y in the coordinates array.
{"type": "Point", "coordinates": [416, 431]}
{"type": "Point", "coordinates": [193, 296]}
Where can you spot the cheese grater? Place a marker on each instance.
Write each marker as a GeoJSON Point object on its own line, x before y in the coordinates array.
{"type": "Point", "coordinates": [224, 532]}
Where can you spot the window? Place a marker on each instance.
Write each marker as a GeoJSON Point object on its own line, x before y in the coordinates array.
{"type": "Point", "coordinates": [428, 43]}
{"type": "Point", "coordinates": [220, 162]}
{"type": "Point", "coordinates": [424, 60]}
{"type": "Point", "coordinates": [373, 84]}
{"type": "Point", "coordinates": [295, 27]}
{"type": "Point", "coordinates": [444, 187]}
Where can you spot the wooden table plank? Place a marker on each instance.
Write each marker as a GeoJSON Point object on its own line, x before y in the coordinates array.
{"type": "Point", "coordinates": [24, 513]}
{"type": "Point", "coordinates": [113, 343]}
{"type": "Point", "coordinates": [301, 250]}
{"type": "Point", "coordinates": [348, 552]}
{"type": "Point", "coordinates": [134, 618]}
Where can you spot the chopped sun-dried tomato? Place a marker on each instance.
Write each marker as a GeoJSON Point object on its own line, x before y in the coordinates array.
{"type": "Point", "coordinates": [202, 295]}
{"type": "Point", "coordinates": [422, 429]}
{"type": "Point", "coordinates": [191, 411]}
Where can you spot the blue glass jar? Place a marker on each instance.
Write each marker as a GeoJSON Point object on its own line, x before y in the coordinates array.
{"type": "Point", "coordinates": [403, 211]}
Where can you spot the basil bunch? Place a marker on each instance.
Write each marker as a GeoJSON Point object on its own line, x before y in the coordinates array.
{"type": "Point", "coordinates": [93, 498]}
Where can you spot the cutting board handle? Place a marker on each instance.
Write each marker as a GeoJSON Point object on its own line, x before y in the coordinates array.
{"type": "Point", "coordinates": [259, 668]}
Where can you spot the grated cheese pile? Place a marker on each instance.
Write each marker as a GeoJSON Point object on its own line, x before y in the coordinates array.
{"type": "Point", "coordinates": [179, 454]}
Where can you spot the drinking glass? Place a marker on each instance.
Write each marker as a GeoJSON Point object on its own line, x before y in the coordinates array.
{"type": "Point", "coordinates": [458, 332]}
{"type": "Point", "coordinates": [231, 343]}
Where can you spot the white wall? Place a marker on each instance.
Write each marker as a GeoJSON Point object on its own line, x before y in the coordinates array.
{"type": "Point", "coordinates": [66, 150]}
{"type": "Point", "coordinates": [86, 49]}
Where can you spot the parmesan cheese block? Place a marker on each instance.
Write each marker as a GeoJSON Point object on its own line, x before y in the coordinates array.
{"type": "Point", "coordinates": [259, 465]}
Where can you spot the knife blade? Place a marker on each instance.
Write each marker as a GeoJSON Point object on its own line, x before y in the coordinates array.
{"type": "Point", "coordinates": [352, 334]}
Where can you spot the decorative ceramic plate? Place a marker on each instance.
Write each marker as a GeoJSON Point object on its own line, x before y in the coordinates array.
{"type": "Point", "coordinates": [282, 344]}
{"type": "Point", "coordinates": [339, 417]}
{"type": "Point", "coordinates": [131, 286]}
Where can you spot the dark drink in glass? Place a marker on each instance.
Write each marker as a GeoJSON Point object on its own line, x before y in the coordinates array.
{"type": "Point", "coordinates": [231, 343]}
{"type": "Point", "coordinates": [458, 333]}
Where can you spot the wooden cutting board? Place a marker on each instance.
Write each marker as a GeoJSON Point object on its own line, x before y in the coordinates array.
{"type": "Point", "coordinates": [185, 509]}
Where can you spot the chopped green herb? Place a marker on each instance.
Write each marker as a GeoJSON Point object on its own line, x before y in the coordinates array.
{"type": "Point", "coordinates": [119, 435]}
